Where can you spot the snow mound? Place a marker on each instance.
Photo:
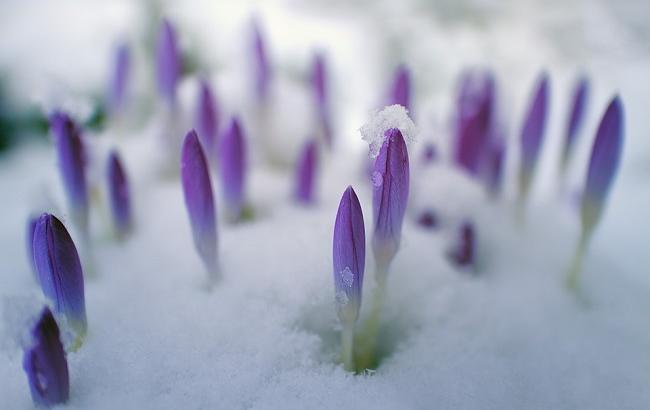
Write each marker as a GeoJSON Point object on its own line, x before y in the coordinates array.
{"type": "Point", "coordinates": [392, 116]}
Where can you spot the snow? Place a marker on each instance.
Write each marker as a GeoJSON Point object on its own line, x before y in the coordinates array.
{"type": "Point", "coordinates": [392, 116]}
{"type": "Point", "coordinates": [267, 336]}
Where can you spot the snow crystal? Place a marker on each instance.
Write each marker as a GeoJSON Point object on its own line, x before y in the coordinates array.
{"type": "Point", "coordinates": [377, 179]}
{"type": "Point", "coordinates": [392, 116]}
{"type": "Point", "coordinates": [342, 298]}
{"type": "Point", "coordinates": [347, 276]}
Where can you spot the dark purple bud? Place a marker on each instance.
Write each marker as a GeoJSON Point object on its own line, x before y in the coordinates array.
{"type": "Point", "coordinates": [306, 172]}
{"type": "Point", "coordinates": [262, 68]}
{"type": "Point", "coordinates": [463, 252]}
{"type": "Point", "coordinates": [494, 163]}
{"type": "Point", "coordinates": [70, 153]}
{"type": "Point", "coordinates": [321, 96]}
{"type": "Point", "coordinates": [428, 219]}
{"type": "Point", "coordinates": [429, 154]}
{"type": "Point", "coordinates": [45, 363]}
{"type": "Point", "coordinates": [118, 194]}
{"type": "Point", "coordinates": [532, 134]}
{"type": "Point", "coordinates": [578, 109]}
{"type": "Point", "coordinates": [168, 62]}
{"type": "Point", "coordinates": [199, 200]}
{"type": "Point", "coordinates": [59, 271]}
{"type": "Point", "coordinates": [474, 118]}
{"type": "Point", "coordinates": [603, 164]}
{"type": "Point", "coordinates": [349, 257]}
{"type": "Point", "coordinates": [207, 119]}
{"type": "Point", "coordinates": [390, 178]}
{"type": "Point", "coordinates": [120, 78]}
{"type": "Point", "coordinates": [31, 226]}
{"type": "Point", "coordinates": [401, 88]}
{"type": "Point", "coordinates": [232, 159]}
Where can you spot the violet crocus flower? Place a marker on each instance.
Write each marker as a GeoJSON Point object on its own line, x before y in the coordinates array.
{"type": "Point", "coordinates": [474, 119]}
{"type": "Point", "coordinates": [319, 81]}
{"type": "Point", "coordinates": [389, 198]}
{"type": "Point", "coordinates": [575, 120]}
{"type": "Point", "coordinates": [71, 160]}
{"type": "Point", "coordinates": [306, 173]}
{"type": "Point", "coordinates": [207, 120]}
{"type": "Point", "coordinates": [463, 252]}
{"type": "Point", "coordinates": [117, 90]}
{"type": "Point", "coordinates": [232, 160]}
{"type": "Point", "coordinates": [168, 62]}
{"type": "Point", "coordinates": [261, 66]}
{"type": "Point", "coordinates": [199, 201]}
{"type": "Point", "coordinates": [59, 272]}
{"type": "Point", "coordinates": [118, 194]}
{"type": "Point", "coordinates": [401, 88]}
{"type": "Point", "coordinates": [603, 164]}
{"type": "Point", "coordinates": [532, 134]}
{"type": "Point", "coordinates": [45, 363]}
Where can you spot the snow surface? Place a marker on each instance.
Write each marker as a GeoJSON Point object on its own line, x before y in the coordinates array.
{"type": "Point", "coordinates": [266, 337]}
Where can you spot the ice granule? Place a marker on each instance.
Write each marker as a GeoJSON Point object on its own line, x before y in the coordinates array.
{"type": "Point", "coordinates": [347, 276]}
{"type": "Point", "coordinates": [342, 298]}
{"type": "Point", "coordinates": [392, 116]}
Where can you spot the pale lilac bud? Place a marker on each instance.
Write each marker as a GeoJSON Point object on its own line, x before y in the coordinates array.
{"type": "Point", "coordinates": [401, 88]}
{"type": "Point", "coordinates": [118, 194]}
{"type": "Point", "coordinates": [306, 173]}
{"type": "Point", "coordinates": [232, 161]}
{"type": "Point", "coordinates": [261, 66]}
{"type": "Point", "coordinates": [168, 62]}
{"type": "Point", "coordinates": [207, 120]}
{"type": "Point", "coordinates": [117, 91]}
{"type": "Point", "coordinates": [576, 118]}
{"type": "Point", "coordinates": [319, 81]}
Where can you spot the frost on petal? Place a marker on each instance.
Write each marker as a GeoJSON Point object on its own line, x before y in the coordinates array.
{"type": "Point", "coordinates": [118, 194]}
{"type": "Point", "coordinates": [576, 118]}
{"type": "Point", "coordinates": [168, 62]}
{"type": "Point", "coordinates": [603, 163]}
{"type": "Point", "coordinates": [389, 199]}
{"type": "Point", "coordinates": [207, 119]}
{"type": "Point", "coordinates": [199, 201]}
{"type": "Point", "coordinates": [374, 132]}
{"type": "Point", "coordinates": [45, 363]}
{"type": "Point", "coordinates": [306, 173]}
{"type": "Point", "coordinates": [232, 161]}
{"type": "Point", "coordinates": [349, 256]}
{"type": "Point", "coordinates": [59, 271]}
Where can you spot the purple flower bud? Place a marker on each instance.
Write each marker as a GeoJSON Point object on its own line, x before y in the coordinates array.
{"type": "Point", "coordinates": [31, 226]}
{"type": "Point", "coordinates": [428, 219]}
{"type": "Point", "coordinates": [319, 82]}
{"type": "Point", "coordinates": [349, 256]}
{"type": "Point", "coordinates": [199, 201]}
{"type": "Point", "coordinates": [45, 363]}
{"type": "Point", "coordinates": [207, 119]}
{"type": "Point", "coordinates": [576, 118]}
{"type": "Point", "coordinates": [59, 271]}
{"type": "Point", "coordinates": [389, 197]}
{"type": "Point", "coordinates": [532, 134]}
{"type": "Point", "coordinates": [429, 154]}
{"type": "Point", "coordinates": [401, 88]}
{"type": "Point", "coordinates": [70, 153]}
{"type": "Point", "coordinates": [603, 164]}
{"type": "Point", "coordinates": [262, 68]}
{"type": "Point", "coordinates": [494, 166]}
{"type": "Point", "coordinates": [119, 79]}
{"type": "Point", "coordinates": [168, 62]}
{"type": "Point", "coordinates": [305, 173]}
{"type": "Point", "coordinates": [118, 194]}
{"type": "Point", "coordinates": [232, 150]}
{"type": "Point", "coordinates": [463, 253]}
{"type": "Point", "coordinates": [475, 112]}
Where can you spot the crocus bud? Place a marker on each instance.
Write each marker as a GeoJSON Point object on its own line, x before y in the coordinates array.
{"type": "Point", "coordinates": [428, 219]}
{"type": "Point", "coordinates": [119, 79]}
{"type": "Point", "coordinates": [232, 160]}
{"type": "Point", "coordinates": [199, 200]}
{"type": "Point", "coordinates": [463, 252]}
{"type": "Point", "coordinates": [70, 153]}
{"type": "Point", "coordinates": [603, 164]}
{"type": "Point", "coordinates": [306, 172]}
{"type": "Point", "coordinates": [429, 154]}
{"type": "Point", "coordinates": [60, 273]}
{"type": "Point", "coordinates": [29, 234]}
{"type": "Point", "coordinates": [576, 117]}
{"type": "Point", "coordinates": [118, 194]}
{"type": "Point", "coordinates": [474, 119]}
{"type": "Point", "coordinates": [168, 62]}
{"type": "Point", "coordinates": [319, 81]}
{"type": "Point", "coordinates": [261, 66]}
{"type": "Point", "coordinates": [389, 198]}
{"type": "Point", "coordinates": [207, 120]}
{"type": "Point", "coordinates": [349, 257]}
{"type": "Point", "coordinates": [401, 88]}
{"type": "Point", "coordinates": [493, 170]}
{"type": "Point", "coordinates": [532, 134]}
{"type": "Point", "coordinates": [45, 363]}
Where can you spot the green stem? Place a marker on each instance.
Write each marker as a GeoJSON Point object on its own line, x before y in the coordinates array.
{"type": "Point", "coordinates": [572, 275]}
{"type": "Point", "coordinates": [366, 357]}
{"type": "Point", "coordinates": [347, 347]}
